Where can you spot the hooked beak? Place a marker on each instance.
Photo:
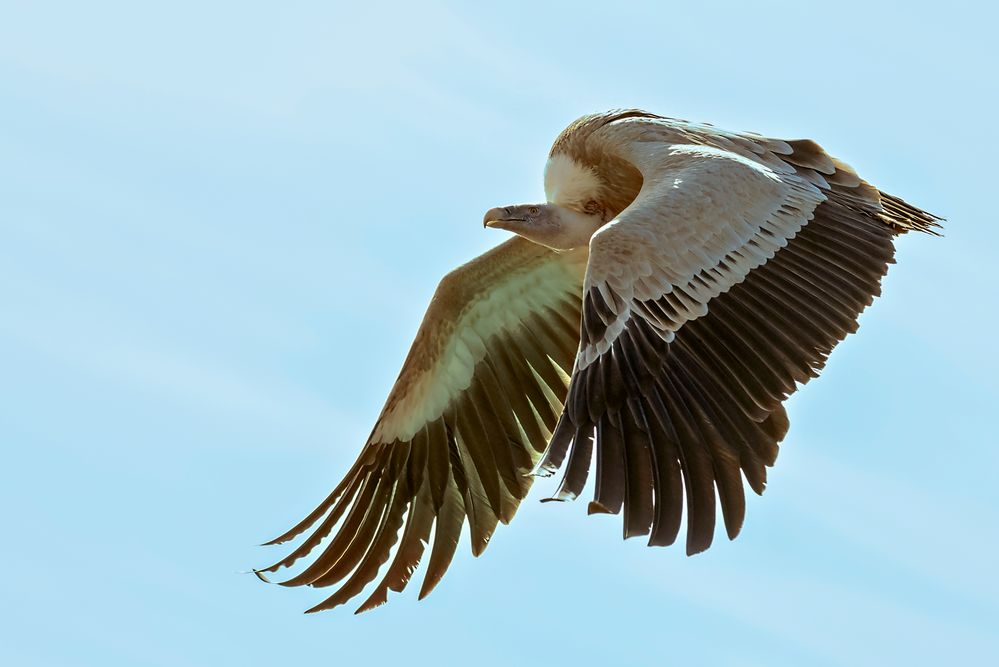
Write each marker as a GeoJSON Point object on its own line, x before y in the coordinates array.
{"type": "Point", "coordinates": [500, 218]}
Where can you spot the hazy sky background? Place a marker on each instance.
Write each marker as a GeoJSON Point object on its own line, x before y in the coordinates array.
{"type": "Point", "coordinates": [220, 224]}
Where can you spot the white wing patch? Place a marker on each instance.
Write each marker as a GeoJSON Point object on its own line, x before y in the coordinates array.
{"type": "Point", "coordinates": [500, 308]}
{"type": "Point", "coordinates": [703, 220]}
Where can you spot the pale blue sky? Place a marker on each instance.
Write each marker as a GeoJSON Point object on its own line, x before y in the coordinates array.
{"type": "Point", "coordinates": [220, 224]}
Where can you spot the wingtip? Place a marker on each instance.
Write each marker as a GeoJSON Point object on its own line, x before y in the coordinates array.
{"type": "Point", "coordinates": [694, 549]}
{"type": "Point", "coordinates": [260, 576]}
{"type": "Point", "coordinates": [280, 539]}
{"type": "Point", "coordinates": [372, 603]}
{"type": "Point", "coordinates": [479, 548]}
{"type": "Point", "coordinates": [322, 606]}
{"type": "Point", "coordinates": [429, 584]}
{"type": "Point", "coordinates": [376, 599]}
{"type": "Point", "coordinates": [631, 533]}
{"type": "Point", "coordinates": [541, 471]}
{"type": "Point", "coordinates": [562, 496]}
{"type": "Point", "coordinates": [598, 508]}
{"type": "Point", "coordinates": [660, 541]}
{"type": "Point", "coordinates": [426, 589]}
{"type": "Point", "coordinates": [733, 531]}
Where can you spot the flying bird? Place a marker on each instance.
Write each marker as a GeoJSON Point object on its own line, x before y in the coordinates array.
{"type": "Point", "coordinates": [679, 283]}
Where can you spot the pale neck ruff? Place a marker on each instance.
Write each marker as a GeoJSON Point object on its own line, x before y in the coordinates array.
{"type": "Point", "coordinates": [569, 183]}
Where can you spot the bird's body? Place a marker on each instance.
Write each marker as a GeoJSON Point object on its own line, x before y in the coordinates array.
{"type": "Point", "coordinates": [679, 283]}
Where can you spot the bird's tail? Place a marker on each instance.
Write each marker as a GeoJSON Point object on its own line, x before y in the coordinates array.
{"type": "Point", "coordinates": [904, 217]}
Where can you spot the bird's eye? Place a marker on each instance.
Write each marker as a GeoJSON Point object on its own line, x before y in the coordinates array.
{"type": "Point", "coordinates": [534, 210]}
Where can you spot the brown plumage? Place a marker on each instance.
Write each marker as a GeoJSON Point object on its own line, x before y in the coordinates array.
{"type": "Point", "coordinates": [687, 279]}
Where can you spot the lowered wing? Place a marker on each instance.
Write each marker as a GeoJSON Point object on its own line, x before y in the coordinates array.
{"type": "Point", "coordinates": [468, 417]}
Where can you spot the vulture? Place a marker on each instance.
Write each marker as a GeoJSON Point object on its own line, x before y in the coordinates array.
{"type": "Point", "coordinates": [648, 320]}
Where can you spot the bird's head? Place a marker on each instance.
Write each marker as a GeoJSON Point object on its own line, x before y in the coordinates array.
{"type": "Point", "coordinates": [574, 211]}
{"type": "Point", "coordinates": [556, 227]}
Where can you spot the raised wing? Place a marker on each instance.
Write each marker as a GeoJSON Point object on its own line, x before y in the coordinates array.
{"type": "Point", "coordinates": [471, 412]}
{"type": "Point", "coordinates": [720, 289]}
